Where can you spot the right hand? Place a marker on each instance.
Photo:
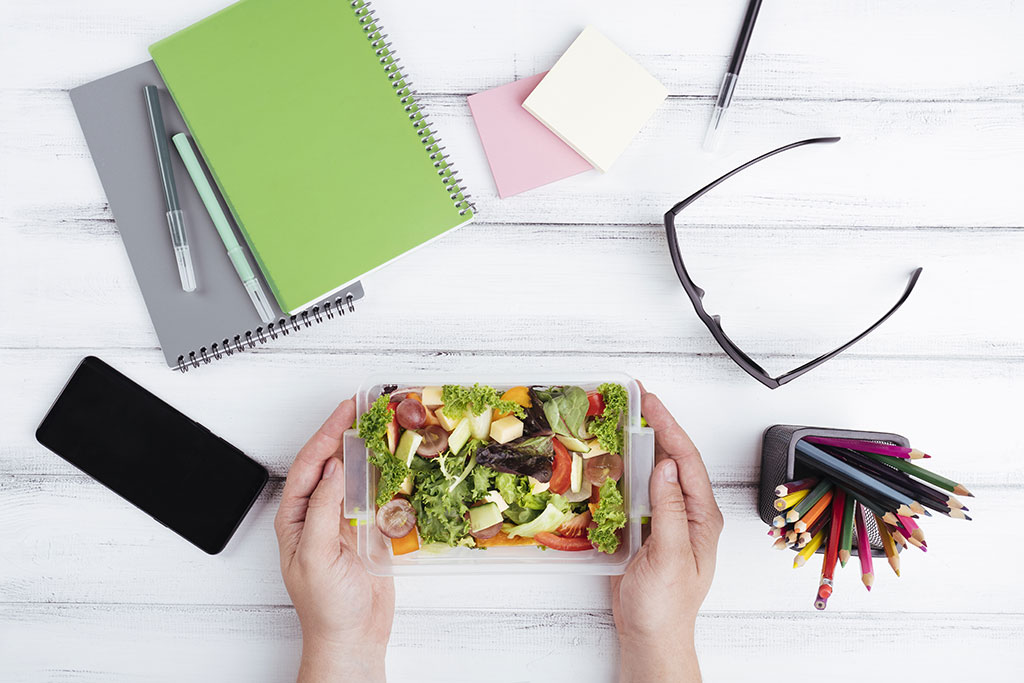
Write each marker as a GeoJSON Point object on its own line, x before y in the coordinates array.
{"type": "Point", "coordinates": [655, 602]}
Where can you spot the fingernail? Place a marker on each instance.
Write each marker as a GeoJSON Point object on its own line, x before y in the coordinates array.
{"type": "Point", "coordinates": [669, 473]}
{"type": "Point", "coordinates": [332, 464]}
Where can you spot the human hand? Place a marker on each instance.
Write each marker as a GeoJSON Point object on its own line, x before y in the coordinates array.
{"type": "Point", "coordinates": [655, 602]}
{"type": "Point", "coordinates": [345, 612]}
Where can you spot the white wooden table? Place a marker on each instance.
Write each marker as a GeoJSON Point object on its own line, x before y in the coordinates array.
{"type": "Point", "coordinates": [797, 257]}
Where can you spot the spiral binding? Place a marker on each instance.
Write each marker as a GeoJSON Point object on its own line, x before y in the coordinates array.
{"type": "Point", "coordinates": [283, 327]}
{"type": "Point", "coordinates": [413, 108]}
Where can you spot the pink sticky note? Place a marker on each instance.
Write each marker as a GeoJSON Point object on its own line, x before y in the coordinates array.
{"type": "Point", "coordinates": [522, 152]}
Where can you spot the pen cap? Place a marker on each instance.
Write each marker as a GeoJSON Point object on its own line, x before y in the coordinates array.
{"type": "Point", "coordinates": [176, 223]}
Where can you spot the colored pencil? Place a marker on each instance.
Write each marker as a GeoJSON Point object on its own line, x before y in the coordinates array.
{"type": "Point", "coordinates": [901, 481]}
{"type": "Point", "coordinates": [779, 521]}
{"type": "Point", "coordinates": [888, 545]}
{"type": "Point", "coordinates": [808, 550]}
{"type": "Point", "coordinates": [870, 447]}
{"type": "Point", "coordinates": [846, 532]}
{"type": "Point", "coordinates": [789, 500]}
{"type": "Point", "coordinates": [922, 474]}
{"type": "Point", "coordinates": [794, 486]}
{"type": "Point", "coordinates": [911, 526]}
{"type": "Point", "coordinates": [822, 600]}
{"type": "Point", "coordinates": [867, 570]}
{"type": "Point", "coordinates": [828, 569]}
{"type": "Point", "coordinates": [897, 535]}
{"type": "Point", "coordinates": [884, 509]}
{"type": "Point", "coordinates": [845, 473]}
{"type": "Point", "coordinates": [798, 510]}
{"type": "Point", "coordinates": [780, 544]}
{"type": "Point", "coordinates": [791, 537]}
{"type": "Point", "coordinates": [820, 603]}
{"type": "Point", "coordinates": [774, 531]}
{"type": "Point", "coordinates": [815, 513]}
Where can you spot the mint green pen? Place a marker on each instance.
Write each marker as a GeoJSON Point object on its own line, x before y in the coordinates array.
{"type": "Point", "coordinates": [220, 221]}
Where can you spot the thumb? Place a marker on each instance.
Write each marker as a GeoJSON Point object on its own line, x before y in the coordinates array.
{"type": "Point", "coordinates": [322, 531]}
{"type": "Point", "coordinates": [669, 529]}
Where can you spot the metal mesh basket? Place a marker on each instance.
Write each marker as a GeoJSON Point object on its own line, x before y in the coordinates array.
{"type": "Point", "coordinates": [779, 465]}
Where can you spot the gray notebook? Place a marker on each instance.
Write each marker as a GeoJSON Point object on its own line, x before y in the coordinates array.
{"type": "Point", "coordinates": [217, 319]}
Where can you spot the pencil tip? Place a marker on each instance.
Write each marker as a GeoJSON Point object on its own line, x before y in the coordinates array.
{"type": "Point", "coordinates": [897, 573]}
{"type": "Point", "coordinates": [869, 588]}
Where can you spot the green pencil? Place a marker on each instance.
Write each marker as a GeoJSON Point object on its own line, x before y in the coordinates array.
{"type": "Point", "coordinates": [846, 531]}
{"type": "Point", "coordinates": [801, 508]}
{"type": "Point", "coordinates": [922, 474]}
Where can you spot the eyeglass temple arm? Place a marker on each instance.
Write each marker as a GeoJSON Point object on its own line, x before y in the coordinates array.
{"type": "Point", "coordinates": [715, 183]}
{"type": "Point", "coordinates": [793, 374]}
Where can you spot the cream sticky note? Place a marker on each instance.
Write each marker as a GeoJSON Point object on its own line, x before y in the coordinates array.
{"type": "Point", "coordinates": [596, 98]}
{"type": "Point", "coordinates": [521, 152]}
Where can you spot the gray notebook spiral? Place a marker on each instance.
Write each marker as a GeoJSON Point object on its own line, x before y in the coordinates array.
{"type": "Point", "coordinates": [217, 319]}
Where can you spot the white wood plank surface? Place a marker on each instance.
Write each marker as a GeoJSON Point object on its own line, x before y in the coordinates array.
{"type": "Point", "coordinates": [796, 257]}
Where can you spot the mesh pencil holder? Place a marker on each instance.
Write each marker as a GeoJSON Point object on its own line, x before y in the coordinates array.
{"type": "Point", "coordinates": [779, 465]}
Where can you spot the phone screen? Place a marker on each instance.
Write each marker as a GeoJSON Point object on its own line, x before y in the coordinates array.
{"type": "Point", "coordinates": [153, 456]}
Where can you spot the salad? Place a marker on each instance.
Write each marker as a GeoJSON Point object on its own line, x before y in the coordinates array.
{"type": "Point", "coordinates": [467, 466]}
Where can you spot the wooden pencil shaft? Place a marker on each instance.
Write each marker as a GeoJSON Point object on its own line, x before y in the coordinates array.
{"type": "Point", "coordinates": [845, 473]}
{"type": "Point", "coordinates": [794, 486]}
{"type": "Point", "coordinates": [788, 501]}
{"type": "Point", "coordinates": [863, 545]}
{"type": "Point", "coordinates": [917, 471]}
{"type": "Point", "coordinates": [846, 532]}
{"type": "Point", "coordinates": [815, 526]}
{"type": "Point", "coordinates": [878, 505]}
{"type": "Point", "coordinates": [867, 446]}
{"type": "Point", "coordinates": [819, 510]}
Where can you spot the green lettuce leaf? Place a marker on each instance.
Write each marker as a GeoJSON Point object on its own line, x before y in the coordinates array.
{"type": "Point", "coordinates": [610, 517]}
{"type": "Point", "coordinates": [565, 409]}
{"type": "Point", "coordinates": [607, 426]}
{"type": "Point", "coordinates": [373, 429]}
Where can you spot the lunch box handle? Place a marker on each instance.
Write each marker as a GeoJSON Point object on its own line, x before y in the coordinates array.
{"type": "Point", "coordinates": [641, 465]}
{"type": "Point", "coordinates": [356, 498]}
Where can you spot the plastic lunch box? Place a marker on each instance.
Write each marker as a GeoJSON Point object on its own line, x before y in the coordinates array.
{"type": "Point", "coordinates": [375, 549]}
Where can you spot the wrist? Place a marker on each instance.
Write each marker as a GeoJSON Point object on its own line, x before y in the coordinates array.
{"type": "Point", "coordinates": [671, 658]}
{"type": "Point", "coordinates": [339, 661]}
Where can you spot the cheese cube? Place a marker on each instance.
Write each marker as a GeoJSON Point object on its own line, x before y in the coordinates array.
{"type": "Point", "coordinates": [537, 487]}
{"type": "Point", "coordinates": [406, 486]}
{"type": "Point", "coordinates": [595, 449]}
{"type": "Point", "coordinates": [432, 396]}
{"type": "Point", "coordinates": [446, 422]}
{"type": "Point", "coordinates": [506, 429]}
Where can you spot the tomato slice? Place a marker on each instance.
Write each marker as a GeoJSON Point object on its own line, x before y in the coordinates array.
{"type": "Point", "coordinates": [561, 472]}
{"type": "Point", "coordinates": [559, 543]}
{"type": "Point", "coordinates": [595, 403]}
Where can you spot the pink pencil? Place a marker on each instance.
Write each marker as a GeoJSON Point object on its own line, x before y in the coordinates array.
{"type": "Point", "coordinates": [867, 572]}
{"type": "Point", "coordinates": [910, 525]}
{"type": "Point", "coordinates": [870, 447]}
{"type": "Point", "coordinates": [906, 534]}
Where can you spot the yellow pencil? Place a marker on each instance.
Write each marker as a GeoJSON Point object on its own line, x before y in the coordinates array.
{"type": "Point", "coordinates": [888, 545]}
{"type": "Point", "coordinates": [788, 501]}
{"type": "Point", "coordinates": [808, 550]}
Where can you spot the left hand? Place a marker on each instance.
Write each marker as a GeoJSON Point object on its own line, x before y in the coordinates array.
{"type": "Point", "coordinates": [345, 612]}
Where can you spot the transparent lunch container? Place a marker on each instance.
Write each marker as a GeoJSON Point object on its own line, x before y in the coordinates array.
{"type": "Point", "coordinates": [375, 549]}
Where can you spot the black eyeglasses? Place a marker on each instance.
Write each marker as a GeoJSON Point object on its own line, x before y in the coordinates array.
{"type": "Point", "coordinates": [714, 322]}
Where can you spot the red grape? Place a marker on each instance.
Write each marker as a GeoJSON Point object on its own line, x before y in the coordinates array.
{"type": "Point", "coordinates": [601, 467]}
{"type": "Point", "coordinates": [411, 414]}
{"type": "Point", "coordinates": [435, 440]}
{"type": "Point", "coordinates": [396, 518]}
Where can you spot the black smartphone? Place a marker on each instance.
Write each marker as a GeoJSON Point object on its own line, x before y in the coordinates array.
{"type": "Point", "coordinates": [169, 466]}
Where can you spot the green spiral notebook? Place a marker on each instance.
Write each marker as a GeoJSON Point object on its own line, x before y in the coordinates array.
{"type": "Point", "coordinates": [314, 138]}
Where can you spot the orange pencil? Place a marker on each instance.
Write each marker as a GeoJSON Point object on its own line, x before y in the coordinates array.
{"type": "Point", "coordinates": [828, 569]}
{"type": "Point", "coordinates": [816, 511]}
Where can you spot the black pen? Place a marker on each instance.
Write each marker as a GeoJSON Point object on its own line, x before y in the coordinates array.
{"type": "Point", "coordinates": [732, 75]}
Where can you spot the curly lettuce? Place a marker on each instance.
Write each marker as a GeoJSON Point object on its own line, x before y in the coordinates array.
{"type": "Point", "coordinates": [610, 517]}
{"type": "Point", "coordinates": [373, 429]}
{"type": "Point", "coordinates": [606, 426]}
{"type": "Point", "coordinates": [459, 400]}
